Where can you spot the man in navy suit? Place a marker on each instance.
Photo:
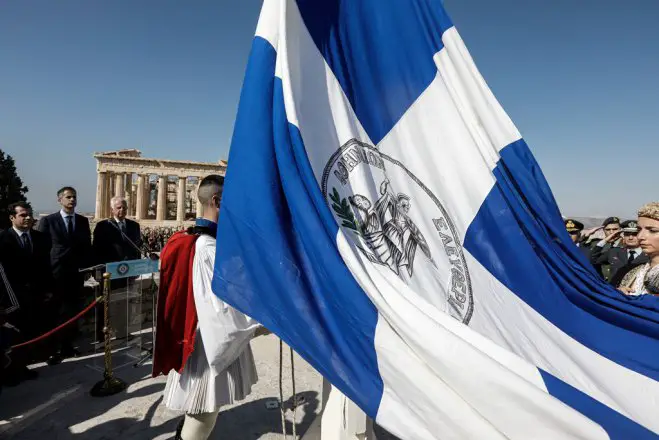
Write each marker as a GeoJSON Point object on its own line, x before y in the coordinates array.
{"type": "Point", "coordinates": [117, 238]}
{"type": "Point", "coordinates": [25, 257]}
{"type": "Point", "coordinates": [70, 239]}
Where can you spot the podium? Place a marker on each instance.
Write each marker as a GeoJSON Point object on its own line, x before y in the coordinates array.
{"type": "Point", "coordinates": [131, 313]}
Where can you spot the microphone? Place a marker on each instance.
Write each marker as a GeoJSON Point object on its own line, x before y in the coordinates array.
{"type": "Point", "coordinates": [145, 253]}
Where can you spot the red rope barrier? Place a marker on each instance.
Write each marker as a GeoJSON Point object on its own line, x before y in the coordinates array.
{"type": "Point", "coordinates": [59, 327]}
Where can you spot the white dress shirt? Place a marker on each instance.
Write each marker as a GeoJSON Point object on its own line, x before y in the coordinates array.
{"type": "Point", "coordinates": [65, 215]}
{"type": "Point", "coordinates": [121, 224]}
{"type": "Point", "coordinates": [20, 235]}
{"type": "Point", "coordinates": [637, 251]}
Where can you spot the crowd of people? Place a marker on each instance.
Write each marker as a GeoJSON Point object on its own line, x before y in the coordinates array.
{"type": "Point", "coordinates": [624, 253]}
{"type": "Point", "coordinates": [154, 238]}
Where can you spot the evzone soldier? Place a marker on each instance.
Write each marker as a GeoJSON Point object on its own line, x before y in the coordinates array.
{"type": "Point", "coordinates": [201, 342]}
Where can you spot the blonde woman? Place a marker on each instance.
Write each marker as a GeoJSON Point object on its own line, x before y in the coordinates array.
{"type": "Point", "coordinates": [642, 280]}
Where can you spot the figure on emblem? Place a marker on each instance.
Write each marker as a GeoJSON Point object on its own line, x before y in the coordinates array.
{"type": "Point", "coordinates": [388, 231]}
{"type": "Point", "coordinates": [371, 232]}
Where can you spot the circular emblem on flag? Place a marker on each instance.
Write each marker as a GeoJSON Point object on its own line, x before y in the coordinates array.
{"type": "Point", "coordinates": [398, 225]}
{"type": "Point", "coordinates": [123, 269]}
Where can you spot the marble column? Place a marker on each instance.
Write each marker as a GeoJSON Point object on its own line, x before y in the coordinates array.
{"type": "Point", "coordinates": [109, 185]}
{"type": "Point", "coordinates": [180, 199]}
{"type": "Point", "coordinates": [128, 192]}
{"type": "Point", "coordinates": [109, 189]}
{"type": "Point", "coordinates": [132, 206]}
{"type": "Point", "coordinates": [161, 207]}
{"type": "Point", "coordinates": [199, 207]}
{"type": "Point", "coordinates": [101, 195]}
{"type": "Point", "coordinates": [119, 185]}
{"type": "Point", "coordinates": [147, 195]}
{"type": "Point", "coordinates": [140, 204]}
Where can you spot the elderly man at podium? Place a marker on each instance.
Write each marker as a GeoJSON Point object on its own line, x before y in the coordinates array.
{"type": "Point", "coordinates": [117, 238]}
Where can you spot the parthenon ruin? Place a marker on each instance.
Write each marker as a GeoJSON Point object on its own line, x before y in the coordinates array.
{"type": "Point", "coordinates": [158, 191]}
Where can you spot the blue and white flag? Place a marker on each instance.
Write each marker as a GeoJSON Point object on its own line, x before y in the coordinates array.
{"type": "Point", "coordinates": [383, 215]}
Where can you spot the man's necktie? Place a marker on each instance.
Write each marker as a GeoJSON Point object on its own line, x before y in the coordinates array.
{"type": "Point", "coordinates": [122, 227]}
{"type": "Point", "coordinates": [69, 225]}
{"type": "Point", "coordinates": [26, 242]}
{"type": "Point", "coordinates": [632, 255]}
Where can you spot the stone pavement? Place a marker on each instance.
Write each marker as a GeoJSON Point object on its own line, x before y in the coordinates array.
{"type": "Point", "coordinates": [58, 405]}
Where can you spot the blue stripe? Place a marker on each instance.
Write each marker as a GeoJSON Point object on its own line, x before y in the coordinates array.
{"type": "Point", "coordinates": [277, 258]}
{"type": "Point", "coordinates": [519, 236]}
{"type": "Point", "coordinates": [615, 424]}
{"type": "Point", "coordinates": [380, 52]}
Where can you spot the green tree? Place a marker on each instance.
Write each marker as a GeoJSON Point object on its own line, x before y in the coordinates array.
{"type": "Point", "coordinates": [11, 188]}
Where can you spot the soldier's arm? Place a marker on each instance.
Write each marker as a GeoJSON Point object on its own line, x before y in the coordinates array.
{"type": "Point", "coordinates": [600, 254]}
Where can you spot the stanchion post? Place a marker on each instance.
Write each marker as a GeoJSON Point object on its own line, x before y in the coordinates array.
{"type": "Point", "coordinates": [109, 385]}
{"type": "Point", "coordinates": [98, 292]}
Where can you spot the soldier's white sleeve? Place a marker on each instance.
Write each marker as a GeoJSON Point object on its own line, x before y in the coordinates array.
{"type": "Point", "coordinates": [225, 331]}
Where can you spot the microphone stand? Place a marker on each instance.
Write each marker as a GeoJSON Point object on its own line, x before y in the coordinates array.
{"type": "Point", "coordinates": [144, 253]}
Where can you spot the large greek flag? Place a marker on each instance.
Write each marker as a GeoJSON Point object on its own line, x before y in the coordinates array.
{"type": "Point", "coordinates": [383, 215]}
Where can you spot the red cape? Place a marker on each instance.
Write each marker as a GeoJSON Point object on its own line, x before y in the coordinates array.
{"type": "Point", "coordinates": [176, 322]}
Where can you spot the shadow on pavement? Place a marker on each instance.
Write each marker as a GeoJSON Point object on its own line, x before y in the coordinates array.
{"type": "Point", "coordinates": [252, 420]}
{"type": "Point", "coordinates": [58, 406]}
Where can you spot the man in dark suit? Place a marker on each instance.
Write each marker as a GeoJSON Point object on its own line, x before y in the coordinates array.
{"type": "Point", "coordinates": [25, 257]}
{"type": "Point", "coordinates": [70, 239]}
{"type": "Point", "coordinates": [117, 238]}
{"type": "Point", "coordinates": [621, 259]}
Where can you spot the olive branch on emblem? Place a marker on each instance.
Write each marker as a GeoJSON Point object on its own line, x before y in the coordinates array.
{"type": "Point", "coordinates": [343, 211]}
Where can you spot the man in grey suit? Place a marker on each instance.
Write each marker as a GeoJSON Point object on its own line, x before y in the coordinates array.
{"type": "Point", "coordinates": [70, 238]}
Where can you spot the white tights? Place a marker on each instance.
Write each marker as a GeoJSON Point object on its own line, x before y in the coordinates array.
{"type": "Point", "coordinates": [198, 426]}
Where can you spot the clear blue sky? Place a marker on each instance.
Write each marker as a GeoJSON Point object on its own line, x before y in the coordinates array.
{"type": "Point", "coordinates": [579, 78]}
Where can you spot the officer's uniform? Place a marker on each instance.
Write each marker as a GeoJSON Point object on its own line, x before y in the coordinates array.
{"type": "Point", "coordinates": [574, 228]}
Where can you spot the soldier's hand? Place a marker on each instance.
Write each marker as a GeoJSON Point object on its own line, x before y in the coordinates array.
{"type": "Point", "coordinates": [590, 232]}
{"type": "Point", "coordinates": [613, 237]}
